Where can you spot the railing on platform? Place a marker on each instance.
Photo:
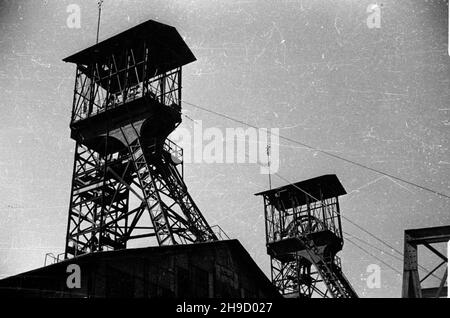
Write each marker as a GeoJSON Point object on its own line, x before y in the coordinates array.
{"type": "Point", "coordinates": [50, 258]}
{"type": "Point", "coordinates": [219, 232]}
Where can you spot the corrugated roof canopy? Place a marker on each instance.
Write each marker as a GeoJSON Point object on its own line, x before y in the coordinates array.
{"type": "Point", "coordinates": [163, 40]}
{"type": "Point", "coordinates": [325, 187]}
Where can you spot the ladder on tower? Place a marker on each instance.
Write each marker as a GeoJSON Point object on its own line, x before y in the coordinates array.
{"type": "Point", "coordinates": [330, 271]}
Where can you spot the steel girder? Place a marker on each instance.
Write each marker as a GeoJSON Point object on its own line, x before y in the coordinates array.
{"type": "Point", "coordinates": [98, 213]}
{"type": "Point", "coordinates": [412, 283]}
{"type": "Point", "coordinates": [100, 216]}
{"type": "Point", "coordinates": [175, 216]}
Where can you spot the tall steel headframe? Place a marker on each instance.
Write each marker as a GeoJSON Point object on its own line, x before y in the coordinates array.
{"type": "Point", "coordinates": [429, 238]}
{"type": "Point", "coordinates": [127, 100]}
{"type": "Point", "coordinates": [303, 236]}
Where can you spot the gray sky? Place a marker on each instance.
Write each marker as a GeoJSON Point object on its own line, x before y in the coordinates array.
{"type": "Point", "coordinates": [313, 69]}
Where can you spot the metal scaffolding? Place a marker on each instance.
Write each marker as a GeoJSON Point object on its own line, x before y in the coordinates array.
{"type": "Point", "coordinates": [127, 100]}
{"type": "Point", "coordinates": [303, 236]}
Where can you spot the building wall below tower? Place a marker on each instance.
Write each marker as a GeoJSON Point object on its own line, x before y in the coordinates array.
{"type": "Point", "coordinates": [220, 269]}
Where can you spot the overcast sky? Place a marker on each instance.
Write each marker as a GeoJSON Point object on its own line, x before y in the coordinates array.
{"type": "Point", "coordinates": [313, 69]}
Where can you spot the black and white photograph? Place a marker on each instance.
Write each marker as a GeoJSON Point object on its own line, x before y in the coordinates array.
{"type": "Point", "coordinates": [224, 156]}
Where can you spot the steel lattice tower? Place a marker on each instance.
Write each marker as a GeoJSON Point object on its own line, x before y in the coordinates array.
{"type": "Point", "coordinates": [127, 100]}
{"type": "Point", "coordinates": [430, 238]}
{"type": "Point", "coordinates": [303, 236]}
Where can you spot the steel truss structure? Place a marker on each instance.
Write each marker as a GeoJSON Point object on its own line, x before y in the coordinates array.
{"type": "Point", "coordinates": [303, 236]}
{"type": "Point", "coordinates": [127, 100]}
{"type": "Point", "coordinates": [412, 283]}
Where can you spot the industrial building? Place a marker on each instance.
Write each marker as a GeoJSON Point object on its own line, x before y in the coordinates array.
{"type": "Point", "coordinates": [221, 269]}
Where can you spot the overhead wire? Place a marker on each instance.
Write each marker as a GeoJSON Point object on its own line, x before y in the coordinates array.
{"type": "Point", "coordinates": [340, 158]}
{"type": "Point", "coordinates": [438, 193]}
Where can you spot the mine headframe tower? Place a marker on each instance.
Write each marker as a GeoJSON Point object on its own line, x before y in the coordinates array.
{"type": "Point", "coordinates": [127, 100]}
{"type": "Point", "coordinates": [303, 236]}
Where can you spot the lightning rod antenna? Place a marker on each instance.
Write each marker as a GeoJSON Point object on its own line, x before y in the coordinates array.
{"type": "Point", "coordinates": [268, 160]}
{"type": "Point", "coordinates": [100, 3]}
